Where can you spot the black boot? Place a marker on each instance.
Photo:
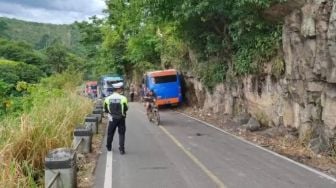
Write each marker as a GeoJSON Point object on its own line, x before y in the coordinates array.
{"type": "Point", "coordinates": [122, 151]}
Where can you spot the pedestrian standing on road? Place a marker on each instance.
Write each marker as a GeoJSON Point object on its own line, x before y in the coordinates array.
{"type": "Point", "coordinates": [142, 92]}
{"type": "Point", "coordinates": [116, 106]}
{"type": "Point", "coordinates": [132, 92]}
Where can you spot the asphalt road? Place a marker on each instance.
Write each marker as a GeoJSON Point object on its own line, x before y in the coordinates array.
{"type": "Point", "coordinates": [184, 152]}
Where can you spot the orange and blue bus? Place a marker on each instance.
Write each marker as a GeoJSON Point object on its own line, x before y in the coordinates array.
{"type": "Point", "coordinates": [166, 85]}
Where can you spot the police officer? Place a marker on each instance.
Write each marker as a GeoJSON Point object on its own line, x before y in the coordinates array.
{"type": "Point", "coordinates": [116, 106]}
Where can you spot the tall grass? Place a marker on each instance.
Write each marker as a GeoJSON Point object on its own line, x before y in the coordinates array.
{"type": "Point", "coordinates": [52, 111]}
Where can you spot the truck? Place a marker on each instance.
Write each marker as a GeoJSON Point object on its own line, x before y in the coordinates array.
{"type": "Point", "coordinates": [91, 89]}
{"type": "Point", "coordinates": [105, 84]}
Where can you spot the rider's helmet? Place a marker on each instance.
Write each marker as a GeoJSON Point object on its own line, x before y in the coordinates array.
{"type": "Point", "coordinates": [151, 92]}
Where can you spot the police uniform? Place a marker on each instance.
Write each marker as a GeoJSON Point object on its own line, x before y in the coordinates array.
{"type": "Point", "coordinates": [116, 106]}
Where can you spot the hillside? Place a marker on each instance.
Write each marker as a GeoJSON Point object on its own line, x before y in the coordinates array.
{"type": "Point", "coordinates": [30, 51]}
{"type": "Point", "coordinates": [40, 35]}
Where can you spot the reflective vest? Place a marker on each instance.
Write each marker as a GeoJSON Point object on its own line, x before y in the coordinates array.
{"type": "Point", "coordinates": [116, 105]}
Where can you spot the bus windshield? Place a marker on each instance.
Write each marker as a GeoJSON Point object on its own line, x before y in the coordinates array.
{"type": "Point", "coordinates": [110, 82]}
{"type": "Point", "coordinates": [165, 79]}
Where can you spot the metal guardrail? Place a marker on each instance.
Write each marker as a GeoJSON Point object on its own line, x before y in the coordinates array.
{"type": "Point", "coordinates": [78, 144]}
{"type": "Point", "coordinates": [53, 180]}
{"type": "Point", "coordinates": [58, 174]}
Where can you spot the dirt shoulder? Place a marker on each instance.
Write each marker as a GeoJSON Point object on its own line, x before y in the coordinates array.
{"type": "Point", "coordinates": [279, 140]}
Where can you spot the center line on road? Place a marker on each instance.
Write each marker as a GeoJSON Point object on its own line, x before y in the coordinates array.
{"type": "Point", "coordinates": [212, 176]}
{"type": "Point", "coordinates": [321, 174]}
{"type": "Point", "coordinates": [108, 170]}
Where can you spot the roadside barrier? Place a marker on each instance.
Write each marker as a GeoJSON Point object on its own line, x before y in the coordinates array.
{"type": "Point", "coordinates": [82, 140]}
{"type": "Point", "coordinates": [98, 113]}
{"type": "Point", "coordinates": [60, 168]}
{"type": "Point", "coordinates": [60, 164]}
{"type": "Point", "coordinates": [91, 122]}
{"type": "Point", "coordinates": [53, 179]}
{"type": "Point", "coordinates": [100, 105]}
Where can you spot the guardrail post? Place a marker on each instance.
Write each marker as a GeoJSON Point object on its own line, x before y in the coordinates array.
{"type": "Point", "coordinates": [98, 113]}
{"type": "Point", "coordinates": [91, 122]}
{"type": "Point", "coordinates": [99, 106]}
{"type": "Point", "coordinates": [99, 103]}
{"type": "Point", "coordinates": [82, 140]}
{"type": "Point", "coordinates": [100, 109]}
{"type": "Point", "coordinates": [60, 168]}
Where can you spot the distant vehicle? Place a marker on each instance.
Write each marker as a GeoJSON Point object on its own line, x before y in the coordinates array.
{"type": "Point", "coordinates": [105, 84]}
{"type": "Point", "coordinates": [91, 88]}
{"type": "Point", "coordinates": [166, 85]}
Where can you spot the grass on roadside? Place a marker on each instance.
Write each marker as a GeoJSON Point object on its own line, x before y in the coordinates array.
{"type": "Point", "coordinates": [53, 111]}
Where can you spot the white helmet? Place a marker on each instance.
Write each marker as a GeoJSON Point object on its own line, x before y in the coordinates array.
{"type": "Point", "coordinates": [118, 85]}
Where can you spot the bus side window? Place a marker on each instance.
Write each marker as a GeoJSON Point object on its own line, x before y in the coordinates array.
{"type": "Point", "coordinates": [146, 83]}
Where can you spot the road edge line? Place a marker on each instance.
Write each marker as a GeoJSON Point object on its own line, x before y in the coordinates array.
{"type": "Point", "coordinates": [264, 149]}
{"type": "Point", "coordinates": [108, 170]}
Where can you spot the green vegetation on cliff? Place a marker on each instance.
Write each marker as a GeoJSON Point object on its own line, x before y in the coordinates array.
{"type": "Point", "coordinates": [215, 39]}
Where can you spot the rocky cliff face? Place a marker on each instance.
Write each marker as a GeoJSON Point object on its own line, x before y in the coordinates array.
{"type": "Point", "coordinates": [305, 97]}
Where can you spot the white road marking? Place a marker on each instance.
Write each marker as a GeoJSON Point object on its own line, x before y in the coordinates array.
{"type": "Point", "coordinates": [321, 174]}
{"type": "Point", "coordinates": [211, 175]}
{"type": "Point", "coordinates": [108, 170]}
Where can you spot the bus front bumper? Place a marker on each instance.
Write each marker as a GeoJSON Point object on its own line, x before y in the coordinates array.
{"type": "Point", "coordinates": [160, 102]}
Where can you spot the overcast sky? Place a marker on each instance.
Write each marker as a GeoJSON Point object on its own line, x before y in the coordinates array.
{"type": "Point", "coordinates": [51, 11]}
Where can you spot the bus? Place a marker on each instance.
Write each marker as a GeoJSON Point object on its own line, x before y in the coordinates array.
{"type": "Point", "coordinates": [166, 85]}
{"type": "Point", "coordinates": [105, 84]}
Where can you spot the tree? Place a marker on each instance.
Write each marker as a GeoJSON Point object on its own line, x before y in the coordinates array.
{"type": "Point", "coordinates": [5, 89]}
{"type": "Point", "coordinates": [91, 35]}
{"type": "Point", "coordinates": [57, 57]}
{"type": "Point", "coordinates": [222, 34]}
{"type": "Point", "coordinates": [229, 30]}
{"type": "Point", "coordinates": [19, 51]}
{"type": "Point", "coordinates": [12, 72]}
{"type": "Point", "coordinates": [3, 28]}
{"type": "Point", "coordinates": [44, 42]}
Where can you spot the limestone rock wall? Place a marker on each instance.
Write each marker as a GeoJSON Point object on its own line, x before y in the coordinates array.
{"type": "Point", "coordinates": [305, 97]}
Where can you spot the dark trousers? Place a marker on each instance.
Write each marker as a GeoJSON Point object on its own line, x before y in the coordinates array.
{"type": "Point", "coordinates": [120, 123]}
{"type": "Point", "coordinates": [132, 97]}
